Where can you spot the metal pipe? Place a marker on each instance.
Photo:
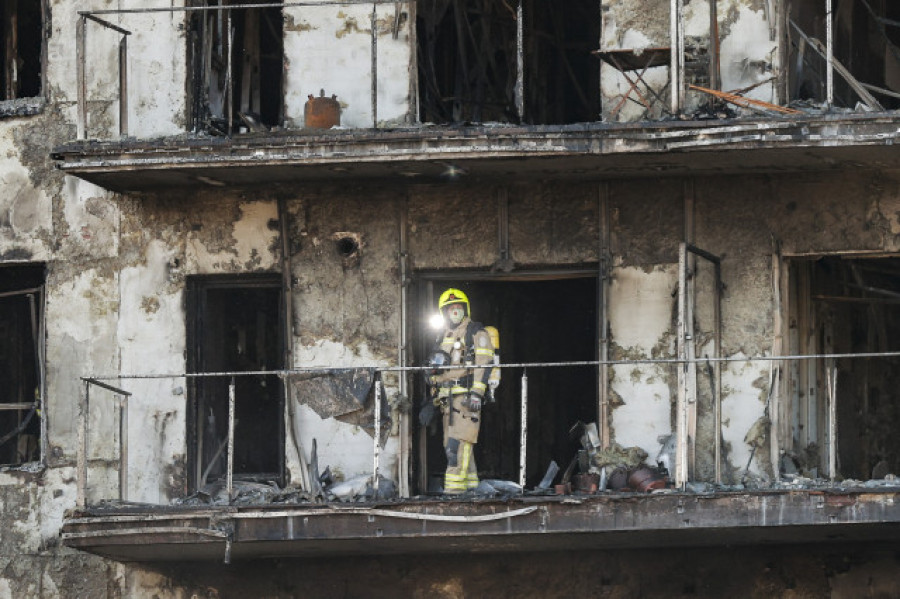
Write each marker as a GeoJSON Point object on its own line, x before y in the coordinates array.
{"type": "Point", "coordinates": [107, 24]}
{"type": "Point", "coordinates": [523, 430]}
{"type": "Point", "coordinates": [717, 369]}
{"type": "Point", "coordinates": [325, 370]}
{"type": "Point", "coordinates": [229, 75]}
{"type": "Point", "coordinates": [125, 11]}
{"type": "Point", "coordinates": [123, 448]}
{"type": "Point", "coordinates": [42, 383]}
{"type": "Point", "coordinates": [377, 453]}
{"type": "Point", "coordinates": [102, 385]}
{"type": "Point", "coordinates": [403, 352]}
{"type": "Point", "coordinates": [831, 383]}
{"type": "Point", "coordinates": [680, 53]}
{"type": "Point", "coordinates": [829, 59]}
{"type": "Point", "coordinates": [605, 263]}
{"type": "Point", "coordinates": [520, 62]}
{"type": "Point", "coordinates": [374, 70]}
{"type": "Point", "coordinates": [18, 292]}
{"type": "Point", "coordinates": [80, 34]}
{"type": "Point", "coordinates": [229, 480]}
{"type": "Point", "coordinates": [81, 497]}
{"type": "Point", "coordinates": [714, 67]}
{"type": "Point", "coordinates": [681, 423]}
{"type": "Point", "coordinates": [123, 86]}
{"type": "Point", "coordinates": [673, 59]}
{"type": "Point", "coordinates": [5, 407]}
{"type": "Point", "coordinates": [287, 285]}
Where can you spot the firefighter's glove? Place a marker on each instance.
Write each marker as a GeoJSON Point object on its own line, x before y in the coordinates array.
{"type": "Point", "coordinates": [426, 414]}
{"type": "Point", "coordinates": [472, 402]}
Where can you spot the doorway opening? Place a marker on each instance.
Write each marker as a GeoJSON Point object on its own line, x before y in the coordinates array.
{"type": "Point", "coordinates": [235, 325]}
{"type": "Point", "coordinates": [541, 318]}
{"type": "Point", "coordinates": [846, 306]}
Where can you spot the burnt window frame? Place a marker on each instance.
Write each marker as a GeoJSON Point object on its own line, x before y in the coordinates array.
{"type": "Point", "coordinates": [525, 96]}
{"type": "Point", "coordinates": [34, 287]}
{"type": "Point", "coordinates": [200, 112]}
{"type": "Point", "coordinates": [27, 105]}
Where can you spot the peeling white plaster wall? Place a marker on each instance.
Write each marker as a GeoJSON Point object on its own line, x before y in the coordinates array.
{"type": "Point", "coordinates": [251, 245]}
{"type": "Point", "coordinates": [157, 69]}
{"type": "Point", "coordinates": [25, 210]}
{"type": "Point", "coordinates": [641, 305]}
{"type": "Point", "coordinates": [81, 317]}
{"type": "Point", "coordinates": [742, 405]}
{"type": "Point", "coordinates": [347, 448]}
{"type": "Point", "coordinates": [151, 336]}
{"type": "Point", "coordinates": [330, 48]}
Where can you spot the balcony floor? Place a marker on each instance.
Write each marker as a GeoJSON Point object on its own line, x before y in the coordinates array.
{"type": "Point", "coordinates": [142, 533]}
{"type": "Point", "coordinates": [491, 153]}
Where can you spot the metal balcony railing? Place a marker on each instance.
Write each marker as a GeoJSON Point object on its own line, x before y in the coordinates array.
{"type": "Point", "coordinates": [97, 16]}
{"type": "Point", "coordinates": [124, 397]}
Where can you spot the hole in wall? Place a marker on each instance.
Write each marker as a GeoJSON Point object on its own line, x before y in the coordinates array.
{"type": "Point", "coordinates": [347, 246]}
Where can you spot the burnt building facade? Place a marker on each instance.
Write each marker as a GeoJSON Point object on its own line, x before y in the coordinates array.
{"type": "Point", "coordinates": [225, 226]}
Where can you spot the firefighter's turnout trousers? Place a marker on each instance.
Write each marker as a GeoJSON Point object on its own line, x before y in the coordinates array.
{"type": "Point", "coordinates": [461, 424]}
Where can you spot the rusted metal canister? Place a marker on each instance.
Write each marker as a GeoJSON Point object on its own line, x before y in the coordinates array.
{"type": "Point", "coordinates": [646, 479]}
{"type": "Point", "coordinates": [322, 112]}
{"type": "Point", "coordinates": [586, 483]}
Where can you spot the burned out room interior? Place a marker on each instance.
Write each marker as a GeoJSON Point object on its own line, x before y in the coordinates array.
{"type": "Point", "coordinates": [550, 318]}
{"type": "Point", "coordinates": [21, 361]}
{"type": "Point", "coordinates": [468, 62]}
{"type": "Point", "coordinates": [866, 46]}
{"type": "Point", "coordinates": [235, 324]}
{"type": "Point", "coordinates": [847, 306]}
{"type": "Point", "coordinates": [244, 93]}
{"type": "Point", "coordinates": [21, 49]}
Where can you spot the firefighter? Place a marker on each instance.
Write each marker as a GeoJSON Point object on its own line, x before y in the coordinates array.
{"type": "Point", "coordinates": [461, 390]}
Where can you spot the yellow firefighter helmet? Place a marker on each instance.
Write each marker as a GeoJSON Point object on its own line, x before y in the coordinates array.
{"type": "Point", "coordinates": [454, 296]}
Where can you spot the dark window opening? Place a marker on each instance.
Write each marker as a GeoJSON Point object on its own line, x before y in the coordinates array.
{"type": "Point", "coordinates": [21, 363]}
{"type": "Point", "coordinates": [21, 47]}
{"type": "Point", "coordinates": [848, 306]}
{"type": "Point", "coordinates": [562, 77]}
{"type": "Point", "coordinates": [256, 48]}
{"type": "Point", "coordinates": [866, 44]}
{"type": "Point", "coordinates": [468, 60]}
{"type": "Point", "coordinates": [539, 321]}
{"type": "Point", "coordinates": [235, 325]}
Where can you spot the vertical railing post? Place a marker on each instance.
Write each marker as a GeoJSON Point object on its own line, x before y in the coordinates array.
{"type": "Point", "coordinates": [229, 79]}
{"type": "Point", "coordinates": [829, 50]}
{"type": "Point", "coordinates": [81, 498]}
{"type": "Point", "coordinates": [123, 86]}
{"type": "Point", "coordinates": [80, 46]}
{"type": "Point", "coordinates": [374, 68]}
{"type": "Point", "coordinates": [229, 477]}
{"type": "Point", "coordinates": [520, 61]}
{"type": "Point", "coordinates": [377, 453]}
{"type": "Point", "coordinates": [681, 433]}
{"type": "Point", "coordinates": [831, 386]}
{"type": "Point", "coordinates": [123, 448]}
{"type": "Point", "coordinates": [523, 430]}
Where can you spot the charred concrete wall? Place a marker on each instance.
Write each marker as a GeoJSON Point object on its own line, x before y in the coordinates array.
{"type": "Point", "coordinates": [117, 266]}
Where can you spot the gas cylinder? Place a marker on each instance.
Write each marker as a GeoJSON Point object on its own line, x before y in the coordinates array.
{"type": "Point", "coordinates": [322, 112]}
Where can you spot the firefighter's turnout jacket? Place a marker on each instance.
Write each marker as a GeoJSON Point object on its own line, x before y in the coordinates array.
{"type": "Point", "coordinates": [467, 345]}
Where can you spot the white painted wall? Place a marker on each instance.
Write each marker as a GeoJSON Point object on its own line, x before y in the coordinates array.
{"type": "Point", "coordinates": [330, 48]}
{"type": "Point", "coordinates": [641, 306]}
